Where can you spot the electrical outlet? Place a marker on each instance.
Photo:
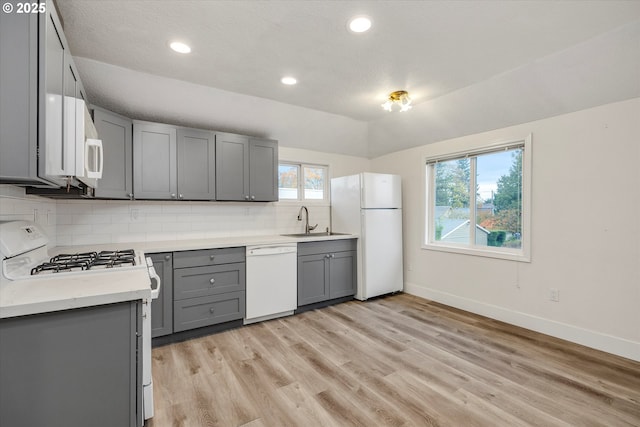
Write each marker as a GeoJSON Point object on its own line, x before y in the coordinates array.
{"type": "Point", "coordinates": [554, 295]}
{"type": "Point", "coordinates": [135, 214]}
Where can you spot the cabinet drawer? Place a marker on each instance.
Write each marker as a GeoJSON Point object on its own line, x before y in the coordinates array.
{"type": "Point", "coordinates": [208, 257]}
{"type": "Point", "coordinates": [310, 248]}
{"type": "Point", "coordinates": [198, 312]}
{"type": "Point", "coordinates": [202, 281]}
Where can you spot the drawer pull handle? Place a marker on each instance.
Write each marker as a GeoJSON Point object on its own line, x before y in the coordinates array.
{"type": "Point", "coordinates": [211, 310]}
{"type": "Point", "coordinates": [212, 280]}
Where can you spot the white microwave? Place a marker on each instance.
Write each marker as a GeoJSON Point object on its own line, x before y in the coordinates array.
{"type": "Point", "coordinates": [89, 154]}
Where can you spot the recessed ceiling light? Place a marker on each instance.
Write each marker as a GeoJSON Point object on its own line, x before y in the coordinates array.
{"type": "Point", "coordinates": [289, 80]}
{"type": "Point", "coordinates": [180, 47]}
{"type": "Point", "coordinates": [360, 24]}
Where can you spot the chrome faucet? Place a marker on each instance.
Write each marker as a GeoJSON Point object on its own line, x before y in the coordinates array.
{"type": "Point", "coordinates": [307, 227]}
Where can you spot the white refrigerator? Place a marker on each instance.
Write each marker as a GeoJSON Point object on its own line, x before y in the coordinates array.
{"type": "Point", "coordinates": [370, 205]}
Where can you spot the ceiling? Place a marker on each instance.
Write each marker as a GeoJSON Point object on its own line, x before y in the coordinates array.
{"type": "Point", "coordinates": [430, 48]}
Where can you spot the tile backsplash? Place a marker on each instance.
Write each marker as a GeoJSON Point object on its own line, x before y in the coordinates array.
{"type": "Point", "coordinates": [85, 222]}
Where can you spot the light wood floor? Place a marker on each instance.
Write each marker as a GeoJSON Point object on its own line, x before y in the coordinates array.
{"type": "Point", "coordinates": [396, 361]}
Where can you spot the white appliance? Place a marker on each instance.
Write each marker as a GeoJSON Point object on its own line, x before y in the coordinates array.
{"type": "Point", "coordinates": [80, 150]}
{"type": "Point", "coordinates": [370, 204]}
{"type": "Point", "coordinates": [272, 281]}
{"type": "Point", "coordinates": [89, 161]}
{"type": "Point", "coordinates": [23, 247]}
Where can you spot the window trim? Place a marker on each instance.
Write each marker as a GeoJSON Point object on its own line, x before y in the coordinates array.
{"type": "Point", "coordinates": [428, 233]}
{"type": "Point", "coordinates": [301, 199]}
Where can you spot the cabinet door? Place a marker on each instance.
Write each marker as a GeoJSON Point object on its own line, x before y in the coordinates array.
{"type": "Point", "coordinates": [52, 74]}
{"type": "Point", "coordinates": [342, 274]}
{"type": "Point", "coordinates": [162, 307]}
{"type": "Point", "coordinates": [79, 365]}
{"type": "Point", "coordinates": [232, 167]}
{"type": "Point", "coordinates": [313, 278]}
{"type": "Point", "coordinates": [19, 100]}
{"type": "Point", "coordinates": [154, 161]}
{"type": "Point", "coordinates": [196, 165]}
{"type": "Point", "coordinates": [115, 132]}
{"type": "Point", "coordinates": [263, 172]}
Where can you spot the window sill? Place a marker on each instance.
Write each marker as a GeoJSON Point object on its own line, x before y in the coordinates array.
{"type": "Point", "coordinates": [508, 255]}
{"type": "Point", "coordinates": [304, 202]}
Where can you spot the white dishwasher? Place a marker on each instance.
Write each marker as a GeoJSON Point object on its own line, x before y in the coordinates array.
{"type": "Point", "coordinates": [272, 281]}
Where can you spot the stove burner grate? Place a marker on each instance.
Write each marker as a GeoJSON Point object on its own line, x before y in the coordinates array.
{"type": "Point", "coordinates": [87, 261]}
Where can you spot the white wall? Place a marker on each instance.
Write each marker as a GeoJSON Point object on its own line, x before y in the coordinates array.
{"type": "Point", "coordinates": [80, 222]}
{"type": "Point", "coordinates": [585, 232]}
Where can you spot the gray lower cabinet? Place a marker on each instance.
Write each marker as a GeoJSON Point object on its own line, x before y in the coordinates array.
{"type": "Point", "coordinates": [162, 307]}
{"type": "Point", "coordinates": [246, 168]}
{"type": "Point", "coordinates": [326, 270]}
{"type": "Point", "coordinates": [115, 131]}
{"type": "Point", "coordinates": [75, 367]}
{"type": "Point", "coordinates": [209, 287]}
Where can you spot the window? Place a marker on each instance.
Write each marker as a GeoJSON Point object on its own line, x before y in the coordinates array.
{"type": "Point", "coordinates": [478, 201]}
{"type": "Point", "coordinates": [299, 181]}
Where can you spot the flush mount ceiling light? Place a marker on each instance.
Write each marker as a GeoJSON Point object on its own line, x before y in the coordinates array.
{"type": "Point", "coordinates": [180, 47]}
{"type": "Point", "coordinates": [400, 98]}
{"type": "Point", "coordinates": [359, 24]}
{"type": "Point", "coordinates": [289, 80]}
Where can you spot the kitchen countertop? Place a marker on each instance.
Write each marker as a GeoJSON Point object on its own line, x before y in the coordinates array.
{"type": "Point", "coordinates": [209, 243]}
{"type": "Point", "coordinates": [68, 291]}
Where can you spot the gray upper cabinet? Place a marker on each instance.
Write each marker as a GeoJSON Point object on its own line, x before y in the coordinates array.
{"type": "Point", "coordinates": [39, 84]}
{"type": "Point", "coordinates": [232, 167]}
{"type": "Point", "coordinates": [263, 170]}
{"type": "Point", "coordinates": [173, 163]}
{"type": "Point", "coordinates": [154, 161]}
{"type": "Point", "coordinates": [246, 168]}
{"type": "Point", "coordinates": [115, 132]}
{"type": "Point", "coordinates": [196, 164]}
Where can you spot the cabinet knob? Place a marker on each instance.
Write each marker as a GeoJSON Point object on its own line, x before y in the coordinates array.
{"type": "Point", "coordinates": [253, 197]}
{"type": "Point", "coordinates": [167, 257]}
{"type": "Point", "coordinates": [332, 255]}
{"type": "Point", "coordinates": [246, 197]}
{"type": "Point", "coordinates": [326, 255]}
{"type": "Point", "coordinates": [212, 280]}
{"type": "Point", "coordinates": [173, 195]}
{"type": "Point", "coordinates": [211, 310]}
{"type": "Point", "coordinates": [211, 257]}
{"type": "Point", "coordinates": [180, 196]}
{"type": "Point", "coordinates": [130, 195]}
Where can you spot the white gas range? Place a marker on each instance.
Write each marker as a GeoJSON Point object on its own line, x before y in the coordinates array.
{"type": "Point", "coordinates": [33, 281]}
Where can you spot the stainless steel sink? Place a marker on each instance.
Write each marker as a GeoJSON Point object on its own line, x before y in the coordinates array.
{"type": "Point", "coordinates": [320, 234]}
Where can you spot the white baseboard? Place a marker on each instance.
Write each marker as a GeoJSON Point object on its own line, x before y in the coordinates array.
{"type": "Point", "coordinates": [599, 341]}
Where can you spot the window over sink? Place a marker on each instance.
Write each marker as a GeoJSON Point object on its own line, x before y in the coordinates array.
{"type": "Point", "coordinates": [303, 182]}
